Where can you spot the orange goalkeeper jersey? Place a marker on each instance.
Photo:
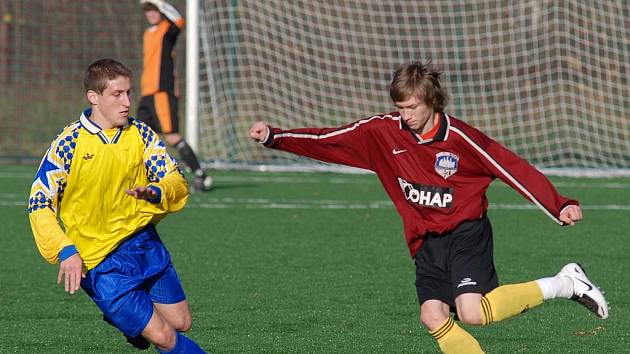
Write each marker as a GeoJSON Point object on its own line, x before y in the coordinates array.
{"type": "Point", "coordinates": [158, 64]}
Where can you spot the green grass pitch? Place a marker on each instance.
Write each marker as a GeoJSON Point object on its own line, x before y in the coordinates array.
{"type": "Point", "coordinates": [316, 263]}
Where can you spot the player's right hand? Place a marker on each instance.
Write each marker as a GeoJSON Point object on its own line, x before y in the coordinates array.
{"type": "Point", "coordinates": [142, 192]}
{"type": "Point", "coordinates": [259, 131]}
{"type": "Point", "coordinates": [71, 270]}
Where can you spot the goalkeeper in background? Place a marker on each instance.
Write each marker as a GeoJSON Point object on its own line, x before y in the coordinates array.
{"type": "Point", "coordinates": [160, 92]}
{"type": "Point", "coordinates": [109, 180]}
{"type": "Point", "coordinates": [436, 169]}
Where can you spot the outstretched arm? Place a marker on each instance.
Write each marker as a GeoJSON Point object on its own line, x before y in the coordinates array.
{"type": "Point", "coordinates": [516, 172]}
{"type": "Point", "coordinates": [343, 145]}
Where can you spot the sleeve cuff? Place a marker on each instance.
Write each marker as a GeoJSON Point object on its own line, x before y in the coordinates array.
{"type": "Point", "coordinates": [269, 138]}
{"type": "Point", "coordinates": [158, 194]}
{"type": "Point", "coordinates": [67, 252]}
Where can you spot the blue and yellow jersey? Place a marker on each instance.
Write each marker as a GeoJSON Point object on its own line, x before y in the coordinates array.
{"type": "Point", "coordinates": [81, 182]}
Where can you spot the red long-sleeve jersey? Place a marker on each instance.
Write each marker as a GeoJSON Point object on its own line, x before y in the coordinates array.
{"type": "Point", "coordinates": [435, 184]}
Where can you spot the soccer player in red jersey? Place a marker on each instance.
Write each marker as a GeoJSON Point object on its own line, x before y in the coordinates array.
{"type": "Point", "coordinates": [436, 169]}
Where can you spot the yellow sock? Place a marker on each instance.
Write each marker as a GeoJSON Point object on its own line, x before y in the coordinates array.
{"type": "Point", "coordinates": [452, 339]}
{"type": "Point", "coordinates": [510, 300]}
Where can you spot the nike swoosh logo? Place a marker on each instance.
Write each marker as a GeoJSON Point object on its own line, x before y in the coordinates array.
{"type": "Point", "coordinates": [585, 283]}
{"type": "Point", "coordinates": [396, 152]}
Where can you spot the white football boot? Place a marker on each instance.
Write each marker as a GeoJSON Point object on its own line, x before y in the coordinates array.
{"type": "Point", "coordinates": [584, 291]}
{"type": "Point", "coordinates": [202, 182]}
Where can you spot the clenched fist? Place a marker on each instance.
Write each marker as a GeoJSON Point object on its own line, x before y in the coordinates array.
{"type": "Point", "coordinates": [259, 131]}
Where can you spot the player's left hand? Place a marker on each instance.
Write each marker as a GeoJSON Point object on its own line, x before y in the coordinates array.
{"type": "Point", "coordinates": [142, 192]}
{"type": "Point", "coordinates": [571, 214]}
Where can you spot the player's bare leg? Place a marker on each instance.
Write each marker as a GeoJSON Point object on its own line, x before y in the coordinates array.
{"type": "Point", "coordinates": [163, 334]}
{"type": "Point", "coordinates": [469, 308]}
{"type": "Point", "coordinates": [433, 313]}
{"type": "Point", "coordinates": [451, 338]}
{"type": "Point", "coordinates": [172, 138]}
{"type": "Point", "coordinates": [159, 332]}
{"type": "Point", "coordinates": [177, 315]}
{"type": "Point", "coordinates": [202, 181]}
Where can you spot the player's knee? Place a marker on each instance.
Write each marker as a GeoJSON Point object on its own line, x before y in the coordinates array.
{"type": "Point", "coordinates": [165, 338]}
{"type": "Point", "coordinates": [470, 317]}
{"type": "Point", "coordinates": [172, 139]}
{"type": "Point", "coordinates": [432, 320]}
{"type": "Point", "coordinates": [183, 323]}
{"type": "Point", "coordinates": [469, 309]}
{"type": "Point", "coordinates": [160, 332]}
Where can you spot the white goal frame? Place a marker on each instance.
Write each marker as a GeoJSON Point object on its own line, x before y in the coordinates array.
{"type": "Point", "coordinates": [280, 27]}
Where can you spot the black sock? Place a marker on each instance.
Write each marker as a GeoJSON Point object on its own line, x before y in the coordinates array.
{"type": "Point", "coordinates": [188, 155]}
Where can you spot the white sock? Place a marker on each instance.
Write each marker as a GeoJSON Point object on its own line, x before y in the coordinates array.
{"type": "Point", "coordinates": [554, 287]}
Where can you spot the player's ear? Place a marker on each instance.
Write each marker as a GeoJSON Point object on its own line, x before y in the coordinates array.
{"type": "Point", "coordinates": [92, 97]}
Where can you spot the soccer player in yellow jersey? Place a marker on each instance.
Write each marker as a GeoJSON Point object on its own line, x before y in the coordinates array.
{"type": "Point", "coordinates": [109, 180]}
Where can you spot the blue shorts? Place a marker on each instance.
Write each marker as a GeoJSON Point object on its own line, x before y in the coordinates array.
{"type": "Point", "coordinates": [134, 276]}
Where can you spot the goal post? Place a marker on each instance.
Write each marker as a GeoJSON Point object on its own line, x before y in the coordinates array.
{"type": "Point", "coordinates": [192, 74]}
{"type": "Point", "coordinates": [548, 79]}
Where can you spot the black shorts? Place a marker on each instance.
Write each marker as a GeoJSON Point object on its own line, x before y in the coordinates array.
{"type": "Point", "coordinates": [457, 262]}
{"type": "Point", "coordinates": [159, 111]}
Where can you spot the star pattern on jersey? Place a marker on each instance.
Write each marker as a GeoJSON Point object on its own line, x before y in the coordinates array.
{"type": "Point", "coordinates": [50, 180]}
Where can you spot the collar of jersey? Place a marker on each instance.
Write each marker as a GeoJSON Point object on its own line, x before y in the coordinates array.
{"type": "Point", "coordinates": [93, 128]}
{"type": "Point", "coordinates": [440, 135]}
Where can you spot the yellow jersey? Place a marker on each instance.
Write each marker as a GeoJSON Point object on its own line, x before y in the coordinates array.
{"type": "Point", "coordinates": [81, 182]}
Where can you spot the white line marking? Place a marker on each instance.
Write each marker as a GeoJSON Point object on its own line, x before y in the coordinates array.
{"type": "Point", "coordinates": [341, 179]}
{"type": "Point", "coordinates": [12, 203]}
{"type": "Point", "coordinates": [19, 174]}
{"type": "Point", "coordinates": [13, 195]}
{"type": "Point", "coordinates": [263, 203]}
{"type": "Point", "coordinates": [358, 205]}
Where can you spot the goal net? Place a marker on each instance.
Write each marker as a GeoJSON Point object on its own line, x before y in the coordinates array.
{"type": "Point", "coordinates": [45, 48]}
{"type": "Point", "coordinates": [548, 79]}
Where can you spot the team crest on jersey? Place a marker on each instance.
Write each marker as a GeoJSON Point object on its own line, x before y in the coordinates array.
{"type": "Point", "coordinates": [446, 164]}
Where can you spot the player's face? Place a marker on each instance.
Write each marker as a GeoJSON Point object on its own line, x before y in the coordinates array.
{"type": "Point", "coordinates": [153, 16]}
{"type": "Point", "coordinates": [111, 108]}
{"type": "Point", "coordinates": [416, 114]}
